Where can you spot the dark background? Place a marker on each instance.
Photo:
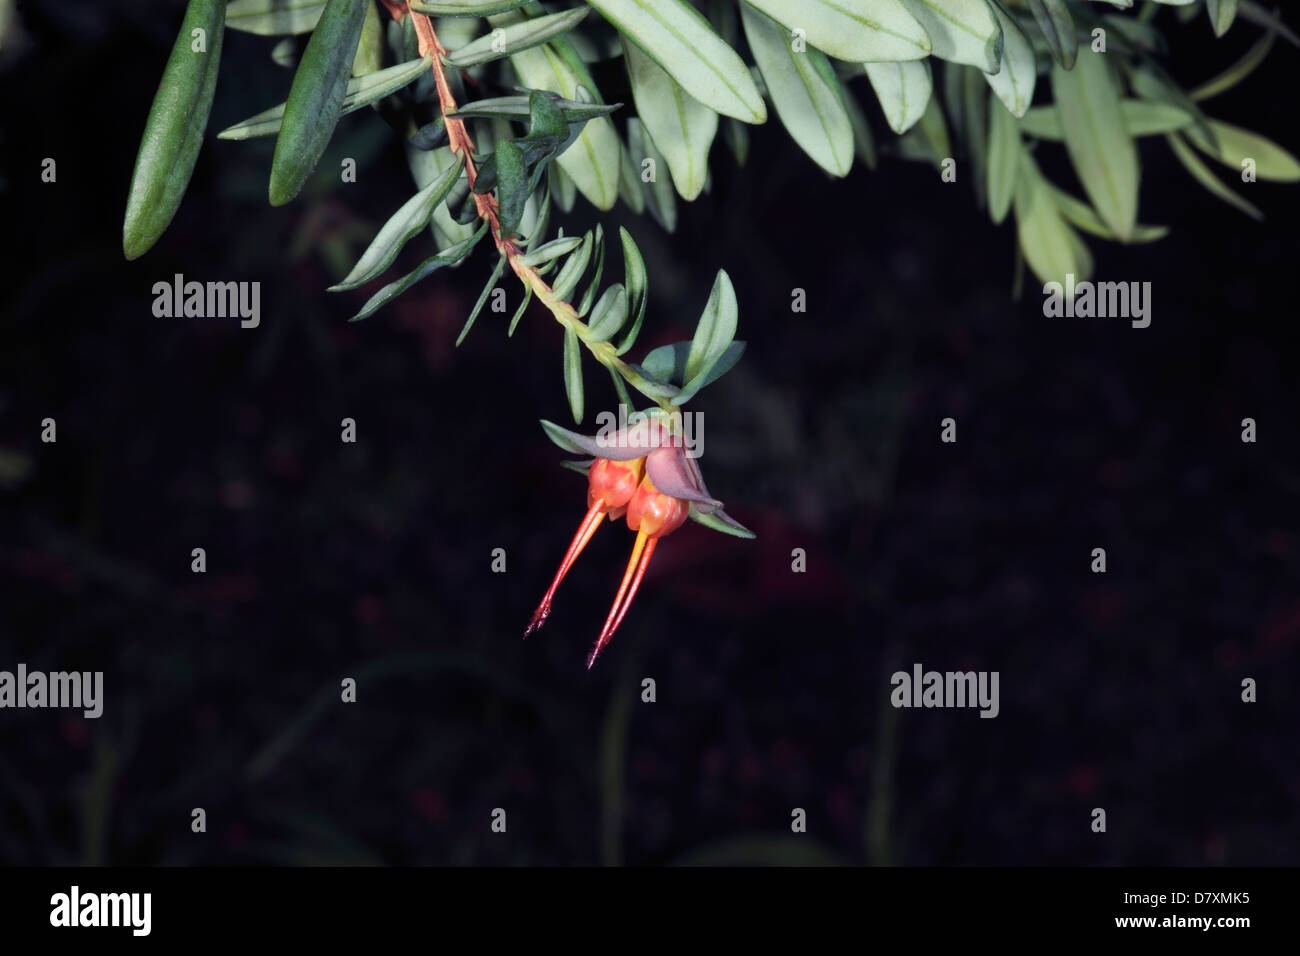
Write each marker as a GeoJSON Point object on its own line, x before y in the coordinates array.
{"type": "Point", "coordinates": [372, 560]}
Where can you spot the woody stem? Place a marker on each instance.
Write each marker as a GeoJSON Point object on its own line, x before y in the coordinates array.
{"type": "Point", "coordinates": [460, 143]}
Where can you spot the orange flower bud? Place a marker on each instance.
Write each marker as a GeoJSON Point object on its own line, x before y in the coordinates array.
{"type": "Point", "coordinates": [654, 513]}
{"type": "Point", "coordinates": [613, 483]}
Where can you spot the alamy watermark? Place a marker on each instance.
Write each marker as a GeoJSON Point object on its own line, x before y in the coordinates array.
{"type": "Point", "coordinates": [59, 689]}
{"type": "Point", "coordinates": [922, 688]}
{"type": "Point", "coordinates": [208, 300]}
{"type": "Point", "coordinates": [676, 429]}
{"type": "Point", "coordinates": [129, 910]}
{"type": "Point", "coordinates": [1101, 300]}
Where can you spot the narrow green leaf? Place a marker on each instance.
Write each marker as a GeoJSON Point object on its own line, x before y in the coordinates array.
{"type": "Point", "coordinates": [1222, 13]}
{"type": "Point", "coordinates": [573, 372]}
{"type": "Point", "coordinates": [655, 175]}
{"type": "Point", "coordinates": [427, 166]}
{"type": "Point", "coordinates": [564, 439]}
{"type": "Point", "coordinates": [903, 90]}
{"type": "Point", "coordinates": [667, 363]}
{"type": "Point", "coordinates": [573, 269]}
{"type": "Point", "coordinates": [804, 90]}
{"type": "Point", "coordinates": [677, 37]}
{"type": "Point", "coordinates": [551, 250]}
{"type": "Point", "coordinates": [723, 364]}
{"type": "Point", "coordinates": [649, 387]}
{"type": "Point", "coordinates": [1085, 217]}
{"type": "Point", "coordinates": [1256, 14]}
{"type": "Point", "coordinates": [412, 217]}
{"type": "Point", "coordinates": [1151, 82]}
{"type": "Point", "coordinates": [630, 189]}
{"type": "Point", "coordinates": [1049, 245]}
{"type": "Point", "coordinates": [863, 31]}
{"type": "Point", "coordinates": [721, 521]}
{"type": "Point", "coordinates": [1054, 20]}
{"type": "Point", "coordinates": [1234, 74]}
{"type": "Point", "coordinates": [1141, 118]}
{"type": "Point", "coordinates": [512, 185]}
{"type": "Point", "coordinates": [623, 397]}
{"type": "Point", "coordinates": [963, 31]}
{"type": "Point", "coordinates": [361, 91]}
{"type": "Point", "coordinates": [274, 17]}
{"type": "Point", "coordinates": [285, 53]}
{"type": "Point", "coordinates": [173, 133]}
{"type": "Point", "coordinates": [682, 127]}
{"type": "Point", "coordinates": [636, 283]}
{"type": "Point", "coordinates": [1097, 139]}
{"type": "Point", "coordinates": [465, 8]}
{"type": "Point", "coordinates": [482, 299]}
{"type": "Point", "coordinates": [369, 57]}
{"type": "Point", "coordinates": [519, 108]}
{"type": "Point", "coordinates": [315, 98]}
{"type": "Point", "coordinates": [588, 297]}
{"type": "Point", "coordinates": [716, 328]}
{"type": "Point", "coordinates": [935, 130]}
{"type": "Point", "coordinates": [1234, 146]}
{"type": "Point", "coordinates": [1004, 157]}
{"type": "Point", "coordinates": [519, 313]}
{"type": "Point", "coordinates": [447, 257]}
{"type": "Point", "coordinates": [592, 161]}
{"type": "Point", "coordinates": [609, 314]}
{"type": "Point", "coordinates": [1014, 83]}
{"type": "Point", "coordinates": [505, 41]}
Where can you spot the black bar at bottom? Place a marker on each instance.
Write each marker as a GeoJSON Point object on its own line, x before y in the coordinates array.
{"type": "Point", "coordinates": [335, 905]}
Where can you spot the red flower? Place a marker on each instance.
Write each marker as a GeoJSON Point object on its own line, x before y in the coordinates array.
{"type": "Point", "coordinates": [645, 473]}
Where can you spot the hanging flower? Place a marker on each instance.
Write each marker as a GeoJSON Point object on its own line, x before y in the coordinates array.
{"type": "Point", "coordinates": [643, 472]}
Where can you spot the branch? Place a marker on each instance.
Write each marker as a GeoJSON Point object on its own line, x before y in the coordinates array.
{"type": "Point", "coordinates": [459, 142]}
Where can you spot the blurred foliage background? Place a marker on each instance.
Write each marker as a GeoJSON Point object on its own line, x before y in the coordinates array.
{"type": "Point", "coordinates": [372, 560]}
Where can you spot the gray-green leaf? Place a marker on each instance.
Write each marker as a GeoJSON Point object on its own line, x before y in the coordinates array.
{"type": "Point", "coordinates": [963, 31]}
{"type": "Point", "coordinates": [315, 98]}
{"type": "Point", "coordinates": [173, 133]}
{"type": "Point", "coordinates": [505, 41]}
{"type": "Point", "coordinates": [1234, 146]}
{"type": "Point", "coordinates": [1014, 83]}
{"type": "Point", "coordinates": [1141, 118]}
{"type": "Point", "coordinates": [1049, 245]}
{"type": "Point", "coordinates": [682, 127]}
{"type": "Point", "coordinates": [677, 37]}
{"type": "Point", "coordinates": [864, 31]}
{"type": "Point", "coordinates": [655, 176]}
{"type": "Point", "coordinates": [637, 287]}
{"type": "Point", "coordinates": [1054, 20]}
{"type": "Point", "coordinates": [1222, 13]}
{"type": "Point", "coordinates": [1097, 139]}
{"type": "Point", "coordinates": [716, 328]}
{"type": "Point", "coordinates": [1004, 157]}
{"type": "Point", "coordinates": [465, 8]}
{"type": "Point", "coordinates": [400, 228]}
{"type": "Point", "coordinates": [361, 91]}
{"type": "Point", "coordinates": [274, 17]}
{"type": "Point", "coordinates": [1192, 163]}
{"type": "Point", "coordinates": [609, 314]}
{"type": "Point", "coordinates": [805, 91]}
{"type": "Point", "coordinates": [720, 367]}
{"type": "Point", "coordinates": [592, 161]}
{"type": "Point", "coordinates": [448, 257]}
{"type": "Point", "coordinates": [903, 90]}
{"type": "Point", "coordinates": [573, 372]}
